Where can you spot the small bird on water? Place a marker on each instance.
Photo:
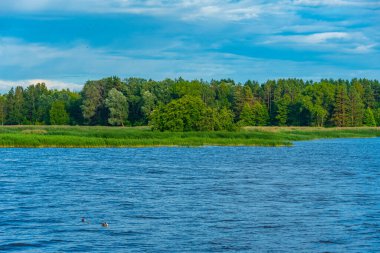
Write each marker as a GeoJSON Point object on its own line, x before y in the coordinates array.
{"type": "Point", "coordinates": [105, 224]}
{"type": "Point", "coordinates": [83, 219]}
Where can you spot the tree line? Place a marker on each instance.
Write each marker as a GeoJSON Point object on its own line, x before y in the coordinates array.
{"type": "Point", "coordinates": [196, 105]}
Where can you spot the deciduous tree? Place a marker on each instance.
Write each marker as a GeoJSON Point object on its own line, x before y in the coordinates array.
{"type": "Point", "coordinates": [117, 104]}
{"type": "Point", "coordinates": [58, 114]}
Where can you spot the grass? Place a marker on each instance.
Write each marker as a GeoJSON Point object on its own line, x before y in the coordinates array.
{"type": "Point", "coordinates": [84, 136]}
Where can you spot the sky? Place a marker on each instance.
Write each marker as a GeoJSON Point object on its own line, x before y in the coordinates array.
{"type": "Point", "coordinates": [64, 43]}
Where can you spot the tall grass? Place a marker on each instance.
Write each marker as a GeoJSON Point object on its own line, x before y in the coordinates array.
{"type": "Point", "coordinates": [83, 136]}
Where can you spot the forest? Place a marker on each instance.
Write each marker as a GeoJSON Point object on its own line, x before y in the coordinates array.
{"type": "Point", "coordinates": [197, 105]}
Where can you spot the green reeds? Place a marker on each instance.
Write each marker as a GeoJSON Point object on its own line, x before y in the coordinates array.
{"type": "Point", "coordinates": [84, 136]}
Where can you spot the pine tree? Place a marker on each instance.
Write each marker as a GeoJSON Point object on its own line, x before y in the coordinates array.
{"type": "Point", "coordinates": [282, 110]}
{"type": "Point", "coordinates": [355, 108]}
{"type": "Point", "coordinates": [340, 116]}
{"type": "Point", "coordinates": [2, 109]}
{"type": "Point", "coordinates": [369, 96]}
{"type": "Point", "coordinates": [369, 119]}
{"type": "Point", "coordinates": [15, 106]}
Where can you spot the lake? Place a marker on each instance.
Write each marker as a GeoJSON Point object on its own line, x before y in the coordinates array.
{"type": "Point", "coordinates": [318, 196]}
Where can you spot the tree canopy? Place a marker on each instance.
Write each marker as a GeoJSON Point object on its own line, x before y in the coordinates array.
{"type": "Point", "coordinates": [196, 105]}
{"type": "Point", "coordinates": [58, 114]}
{"type": "Point", "coordinates": [116, 103]}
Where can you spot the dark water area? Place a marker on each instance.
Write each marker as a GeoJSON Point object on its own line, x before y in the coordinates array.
{"type": "Point", "coordinates": [318, 196]}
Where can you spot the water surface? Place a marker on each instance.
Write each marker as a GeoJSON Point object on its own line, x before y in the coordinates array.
{"type": "Point", "coordinates": [317, 196]}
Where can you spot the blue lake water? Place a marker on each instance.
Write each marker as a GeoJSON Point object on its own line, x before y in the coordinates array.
{"type": "Point", "coordinates": [318, 196]}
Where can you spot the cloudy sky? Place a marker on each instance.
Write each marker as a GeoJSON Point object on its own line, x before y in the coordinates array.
{"type": "Point", "coordinates": [66, 42]}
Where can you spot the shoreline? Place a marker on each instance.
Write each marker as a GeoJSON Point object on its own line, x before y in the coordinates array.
{"type": "Point", "coordinates": [141, 137]}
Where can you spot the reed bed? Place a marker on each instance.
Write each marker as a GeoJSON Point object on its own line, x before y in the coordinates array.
{"type": "Point", "coordinates": [91, 137]}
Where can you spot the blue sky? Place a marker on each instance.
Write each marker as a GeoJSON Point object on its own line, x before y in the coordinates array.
{"type": "Point", "coordinates": [66, 42]}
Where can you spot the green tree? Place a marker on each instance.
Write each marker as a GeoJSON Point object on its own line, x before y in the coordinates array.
{"type": "Point", "coordinates": [58, 114]}
{"type": "Point", "coordinates": [94, 94]}
{"type": "Point", "coordinates": [92, 100]}
{"type": "Point", "coordinates": [246, 116]}
{"type": "Point", "coordinates": [2, 109]}
{"type": "Point", "coordinates": [213, 119]}
{"type": "Point", "coordinates": [341, 116]}
{"type": "Point", "coordinates": [276, 102]}
{"type": "Point", "coordinates": [184, 114]}
{"type": "Point", "coordinates": [15, 106]}
{"type": "Point", "coordinates": [267, 95]}
{"type": "Point", "coordinates": [355, 108]}
{"type": "Point", "coordinates": [319, 114]}
{"type": "Point", "coordinates": [148, 104]}
{"type": "Point", "coordinates": [324, 96]}
{"type": "Point", "coordinates": [260, 116]}
{"type": "Point", "coordinates": [369, 119]}
{"type": "Point", "coordinates": [224, 120]}
{"type": "Point", "coordinates": [44, 104]}
{"type": "Point", "coordinates": [376, 114]}
{"type": "Point", "coordinates": [31, 98]}
{"type": "Point", "coordinates": [369, 96]}
{"type": "Point", "coordinates": [73, 108]}
{"type": "Point", "coordinates": [224, 93]}
{"type": "Point", "coordinates": [134, 91]}
{"type": "Point", "coordinates": [117, 104]}
{"type": "Point", "coordinates": [282, 110]}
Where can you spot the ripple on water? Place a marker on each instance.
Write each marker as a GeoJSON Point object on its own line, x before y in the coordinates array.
{"type": "Point", "coordinates": [319, 196]}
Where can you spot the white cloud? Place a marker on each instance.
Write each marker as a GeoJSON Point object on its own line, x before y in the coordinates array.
{"type": "Point", "coordinates": [225, 10]}
{"type": "Point", "coordinates": [184, 9]}
{"type": "Point", "coordinates": [6, 85]}
{"type": "Point", "coordinates": [334, 42]}
{"type": "Point", "coordinates": [89, 63]}
{"type": "Point", "coordinates": [318, 38]}
{"type": "Point", "coordinates": [331, 41]}
{"type": "Point", "coordinates": [363, 48]}
{"type": "Point", "coordinates": [14, 52]}
{"type": "Point", "coordinates": [36, 60]}
{"type": "Point", "coordinates": [222, 10]}
{"type": "Point", "coordinates": [335, 3]}
{"type": "Point", "coordinates": [310, 26]}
